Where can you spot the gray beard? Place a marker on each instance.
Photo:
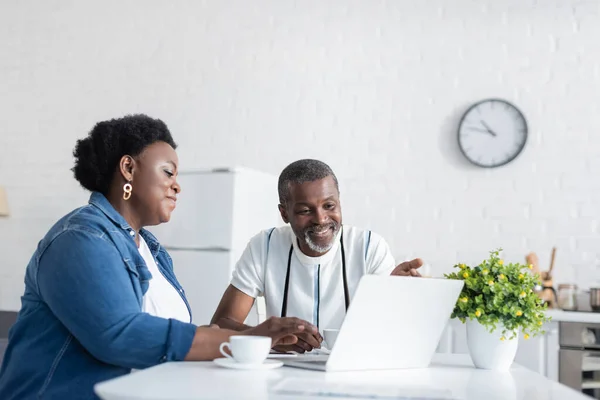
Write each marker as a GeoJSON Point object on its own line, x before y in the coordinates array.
{"type": "Point", "coordinates": [317, 248]}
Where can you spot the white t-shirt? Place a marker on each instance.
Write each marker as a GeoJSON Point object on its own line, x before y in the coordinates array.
{"type": "Point", "coordinates": [161, 299]}
{"type": "Point", "coordinates": [316, 288]}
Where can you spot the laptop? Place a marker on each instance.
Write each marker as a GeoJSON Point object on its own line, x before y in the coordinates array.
{"type": "Point", "coordinates": [393, 322]}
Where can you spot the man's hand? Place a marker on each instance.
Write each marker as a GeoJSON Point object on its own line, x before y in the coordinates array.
{"type": "Point", "coordinates": [283, 331]}
{"type": "Point", "coordinates": [306, 342]}
{"type": "Point", "coordinates": [408, 268]}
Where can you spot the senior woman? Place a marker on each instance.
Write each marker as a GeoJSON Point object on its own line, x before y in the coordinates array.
{"type": "Point", "coordinates": [101, 297]}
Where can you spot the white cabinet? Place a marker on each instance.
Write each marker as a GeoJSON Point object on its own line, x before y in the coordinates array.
{"type": "Point", "coordinates": [204, 279]}
{"type": "Point", "coordinates": [552, 350]}
{"type": "Point", "coordinates": [540, 353]}
{"type": "Point", "coordinates": [220, 209]}
{"type": "Point", "coordinates": [454, 338]}
{"type": "Point", "coordinates": [217, 213]}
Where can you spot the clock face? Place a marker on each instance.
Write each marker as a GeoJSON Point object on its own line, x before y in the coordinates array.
{"type": "Point", "coordinates": [492, 133]}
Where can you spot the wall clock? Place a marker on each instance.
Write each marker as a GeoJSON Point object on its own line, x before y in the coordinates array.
{"type": "Point", "coordinates": [492, 133]}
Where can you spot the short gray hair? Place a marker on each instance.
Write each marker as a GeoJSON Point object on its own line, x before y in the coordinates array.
{"type": "Point", "coordinates": [306, 170]}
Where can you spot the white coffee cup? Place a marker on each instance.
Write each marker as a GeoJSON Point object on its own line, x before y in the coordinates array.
{"type": "Point", "coordinates": [330, 337]}
{"type": "Point", "coordinates": [247, 349]}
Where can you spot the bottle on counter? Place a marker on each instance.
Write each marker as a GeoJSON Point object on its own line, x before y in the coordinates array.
{"type": "Point", "coordinates": [567, 296]}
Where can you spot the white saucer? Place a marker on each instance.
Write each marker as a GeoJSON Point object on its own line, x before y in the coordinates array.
{"type": "Point", "coordinates": [229, 363]}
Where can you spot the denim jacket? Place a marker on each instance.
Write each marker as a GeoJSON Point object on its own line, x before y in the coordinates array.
{"type": "Point", "coordinates": [81, 321]}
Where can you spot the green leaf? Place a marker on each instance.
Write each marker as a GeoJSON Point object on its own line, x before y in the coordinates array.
{"type": "Point", "coordinates": [499, 302]}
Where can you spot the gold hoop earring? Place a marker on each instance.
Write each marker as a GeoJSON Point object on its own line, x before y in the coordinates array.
{"type": "Point", "coordinates": [127, 188]}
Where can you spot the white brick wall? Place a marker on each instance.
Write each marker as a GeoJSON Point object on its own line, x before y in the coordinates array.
{"type": "Point", "coordinates": [375, 88]}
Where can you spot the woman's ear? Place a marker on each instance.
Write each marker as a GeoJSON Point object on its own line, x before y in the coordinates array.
{"type": "Point", "coordinates": [126, 167]}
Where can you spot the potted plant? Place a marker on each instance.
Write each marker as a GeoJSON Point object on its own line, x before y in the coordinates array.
{"type": "Point", "coordinates": [497, 302]}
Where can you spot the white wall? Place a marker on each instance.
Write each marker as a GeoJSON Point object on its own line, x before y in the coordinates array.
{"type": "Point", "coordinates": [375, 88]}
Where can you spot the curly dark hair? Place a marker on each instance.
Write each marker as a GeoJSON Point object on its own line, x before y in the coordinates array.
{"type": "Point", "coordinates": [97, 156]}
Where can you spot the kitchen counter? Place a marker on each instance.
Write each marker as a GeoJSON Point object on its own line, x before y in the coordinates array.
{"type": "Point", "coordinates": [450, 376]}
{"type": "Point", "coordinates": [573, 316]}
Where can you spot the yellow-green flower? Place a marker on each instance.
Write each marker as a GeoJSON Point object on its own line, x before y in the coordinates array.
{"type": "Point", "coordinates": [490, 291]}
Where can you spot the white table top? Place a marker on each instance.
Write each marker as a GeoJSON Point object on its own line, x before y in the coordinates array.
{"type": "Point", "coordinates": [450, 376]}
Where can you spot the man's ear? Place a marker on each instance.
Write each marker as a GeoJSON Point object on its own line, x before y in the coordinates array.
{"type": "Point", "coordinates": [284, 214]}
{"type": "Point", "coordinates": [126, 166]}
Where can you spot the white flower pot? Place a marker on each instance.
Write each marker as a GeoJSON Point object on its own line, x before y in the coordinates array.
{"type": "Point", "coordinates": [487, 350]}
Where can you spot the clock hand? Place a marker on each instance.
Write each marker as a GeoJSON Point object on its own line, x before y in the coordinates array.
{"type": "Point", "coordinates": [474, 128]}
{"type": "Point", "coordinates": [489, 130]}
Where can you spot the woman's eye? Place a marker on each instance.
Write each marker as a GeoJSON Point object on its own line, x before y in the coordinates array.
{"type": "Point", "coordinates": [169, 173]}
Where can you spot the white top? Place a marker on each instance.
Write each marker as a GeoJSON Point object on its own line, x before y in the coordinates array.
{"type": "Point", "coordinates": [162, 299]}
{"type": "Point", "coordinates": [449, 375]}
{"type": "Point", "coordinates": [316, 289]}
{"type": "Point", "coordinates": [573, 316]}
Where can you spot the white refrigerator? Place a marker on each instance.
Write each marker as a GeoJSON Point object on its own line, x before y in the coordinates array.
{"type": "Point", "coordinates": [217, 213]}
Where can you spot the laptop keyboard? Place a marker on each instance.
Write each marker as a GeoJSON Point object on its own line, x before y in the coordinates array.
{"type": "Point", "coordinates": [312, 358]}
{"type": "Point", "coordinates": [316, 362]}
